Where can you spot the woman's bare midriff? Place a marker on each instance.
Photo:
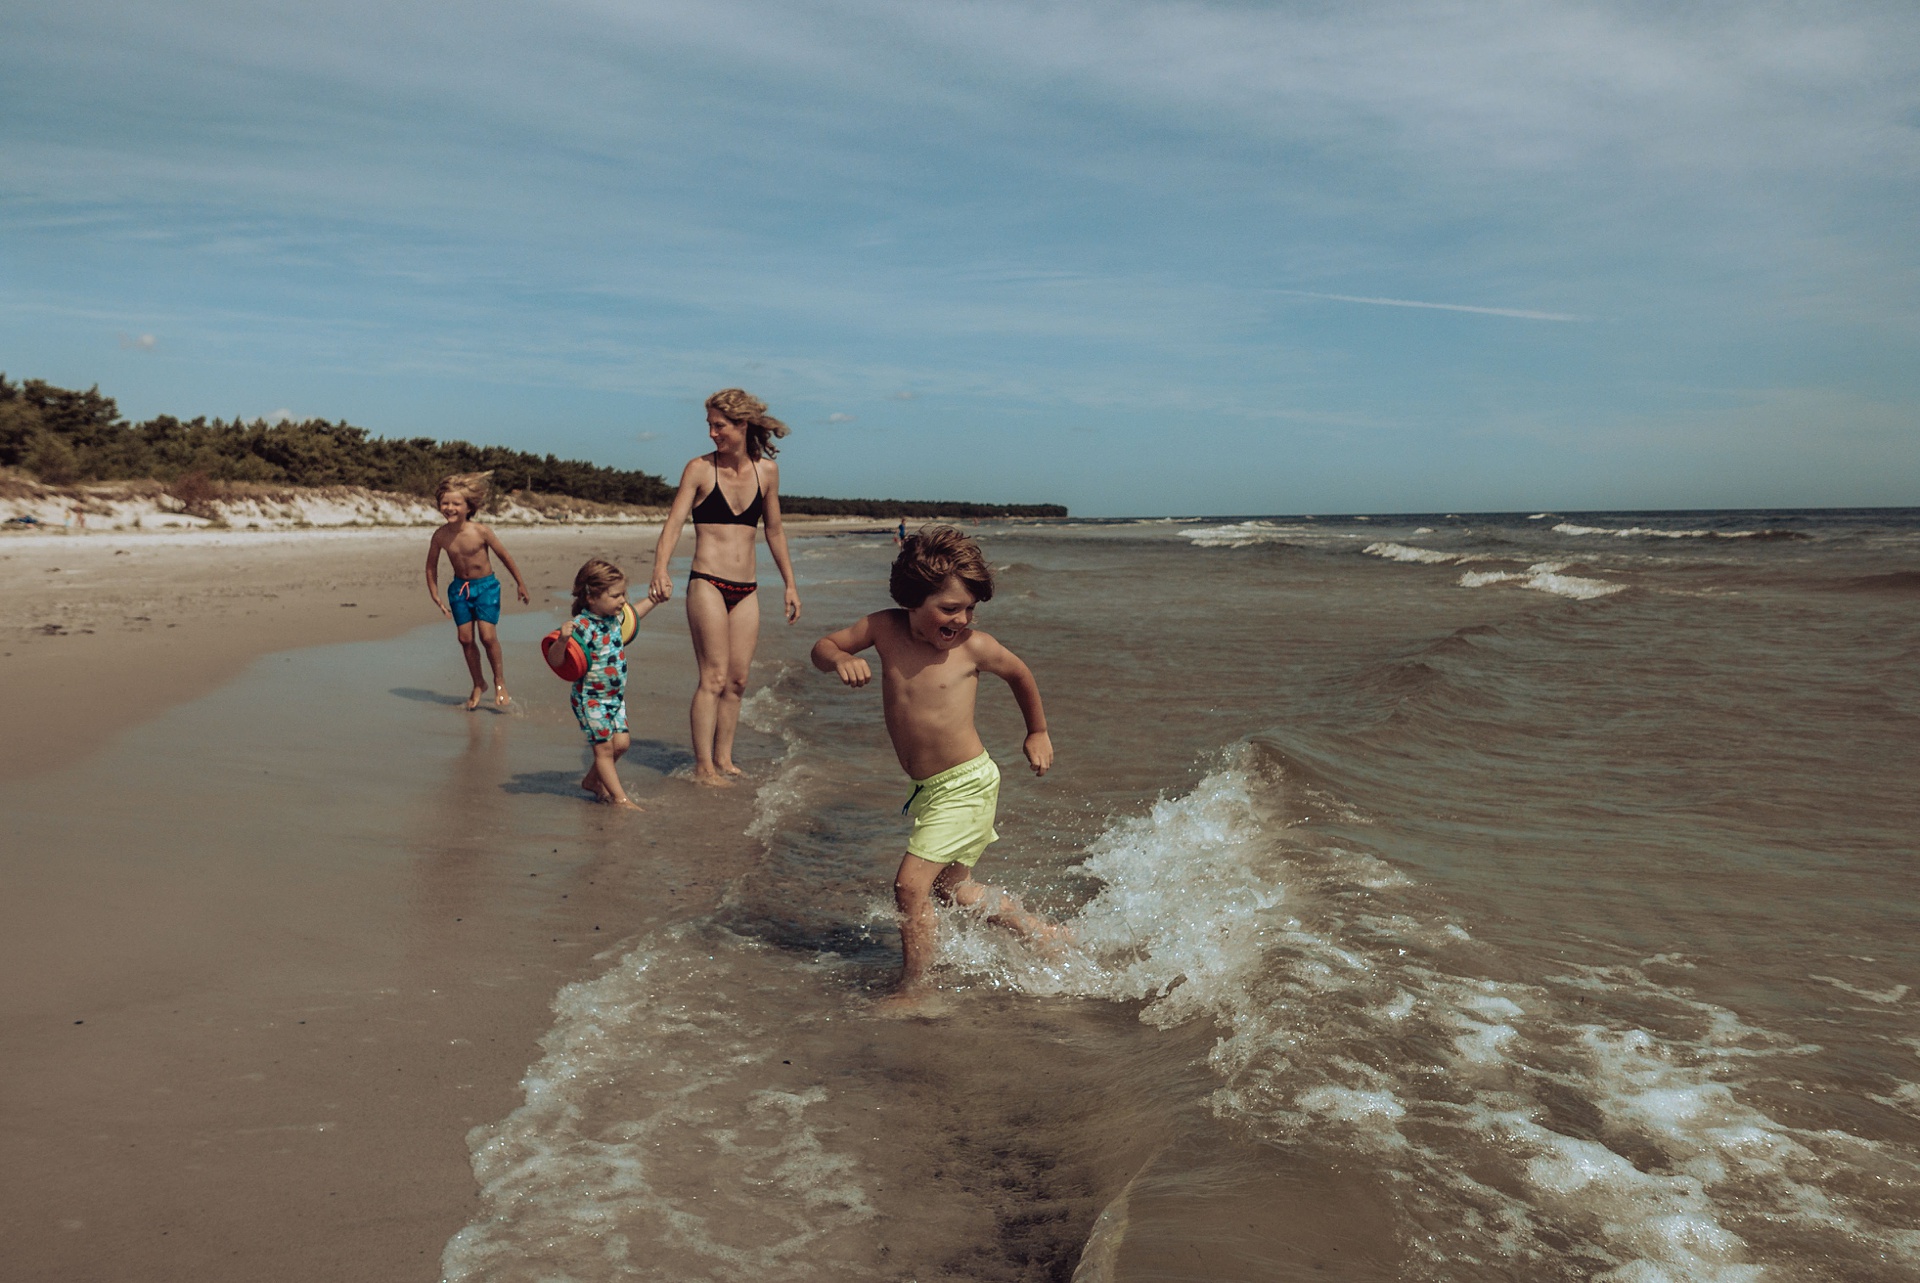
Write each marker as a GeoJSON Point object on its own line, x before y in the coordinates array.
{"type": "Point", "coordinates": [725, 551]}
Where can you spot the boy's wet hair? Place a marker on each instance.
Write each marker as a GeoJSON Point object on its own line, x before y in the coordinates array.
{"type": "Point", "coordinates": [475, 487]}
{"type": "Point", "coordinates": [929, 557]}
{"type": "Point", "coordinates": [592, 579]}
{"type": "Point", "coordinates": [745, 408]}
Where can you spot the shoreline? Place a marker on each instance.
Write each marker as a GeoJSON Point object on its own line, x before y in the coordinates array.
{"type": "Point", "coordinates": [205, 604]}
{"type": "Point", "coordinates": [229, 1067]}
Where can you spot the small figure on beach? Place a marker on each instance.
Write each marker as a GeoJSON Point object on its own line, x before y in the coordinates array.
{"type": "Point", "coordinates": [931, 658]}
{"type": "Point", "coordinates": [600, 696]}
{"type": "Point", "coordinates": [473, 596]}
{"type": "Point", "coordinates": [900, 533]}
{"type": "Point", "coordinates": [726, 493]}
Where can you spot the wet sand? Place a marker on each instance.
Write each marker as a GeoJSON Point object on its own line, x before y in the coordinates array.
{"type": "Point", "coordinates": [283, 925]}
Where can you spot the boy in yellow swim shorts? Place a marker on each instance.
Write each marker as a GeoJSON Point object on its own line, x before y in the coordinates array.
{"type": "Point", "coordinates": [931, 658]}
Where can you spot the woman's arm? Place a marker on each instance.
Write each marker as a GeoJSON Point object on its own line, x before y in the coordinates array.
{"type": "Point", "coordinates": [777, 540]}
{"type": "Point", "coordinates": [661, 587]}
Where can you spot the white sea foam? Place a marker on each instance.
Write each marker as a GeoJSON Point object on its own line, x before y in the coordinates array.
{"type": "Point", "coordinates": [1544, 577]}
{"type": "Point", "coordinates": [1649, 532]}
{"type": "Point", "coordinates": [1403, 552]}
{"type": "Point", "coordinates": [682, 1152]}
{"type": "Point", "coordinates": [1369, 1027]}
{"type": "Point", "coordinates": [769, 711]}
{"type": "Point", "coordinates": [1243, 534]}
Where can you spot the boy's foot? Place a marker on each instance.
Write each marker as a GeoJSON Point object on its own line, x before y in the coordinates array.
{"type": "Point", "coordinates": [590, 783]}
{"type": "Point", "coordinates": [923, 1003]}
{"type": "Point", "coordinates": [473, 700]}
{"type": "Point", "coordinates": [500, 697]}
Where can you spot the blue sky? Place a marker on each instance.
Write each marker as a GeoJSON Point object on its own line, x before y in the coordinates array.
{"type": "Point", "coordinates": [1134, 257]}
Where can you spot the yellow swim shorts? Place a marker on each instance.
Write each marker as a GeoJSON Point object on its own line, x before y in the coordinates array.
{"type": "Point", "coordinates": [953, 812]}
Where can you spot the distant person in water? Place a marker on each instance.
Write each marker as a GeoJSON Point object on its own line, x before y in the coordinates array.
{"type": "Point", "coordinates": [931, 658]}
{"type": "Point", "coordinates": [900, 535]}
{"type": "Point", "coordinates": [600, 696]}
{"type": "Point", "coordinates": [727, 493]}
{"type": "Point", "coordinates": [473, 598]}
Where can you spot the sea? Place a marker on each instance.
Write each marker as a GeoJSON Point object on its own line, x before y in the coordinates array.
{"type": "Point", "coordinates": [1452, 898]}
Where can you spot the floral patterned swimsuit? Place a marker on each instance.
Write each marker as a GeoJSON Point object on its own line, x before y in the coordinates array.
{"type": "Point", "coordinates": [600, 698]}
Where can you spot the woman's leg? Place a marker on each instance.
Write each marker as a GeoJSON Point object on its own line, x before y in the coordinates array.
{"type": "Point", "coordinates": [707, 621]}
{"type": "Point", "coordinates": [743, 636]}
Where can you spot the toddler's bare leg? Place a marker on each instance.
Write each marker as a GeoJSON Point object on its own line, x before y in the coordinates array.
{"type": "Point", "coordinates": [470, 650]}
{"type": "Point", "coordinates": [608, 780]}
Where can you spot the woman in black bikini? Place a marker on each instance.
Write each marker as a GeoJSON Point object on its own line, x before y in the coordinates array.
{"type": "Point", "coordinates": [726, 493]}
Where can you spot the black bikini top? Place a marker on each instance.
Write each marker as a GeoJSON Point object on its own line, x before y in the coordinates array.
{"type": "Point", "coordinates": [713, 510]}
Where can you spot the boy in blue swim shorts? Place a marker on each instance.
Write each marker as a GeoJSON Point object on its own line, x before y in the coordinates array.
{"type": "Point", "coordinates": [473, 598]}
{"type": "Point", "coordinates": [931, 658]}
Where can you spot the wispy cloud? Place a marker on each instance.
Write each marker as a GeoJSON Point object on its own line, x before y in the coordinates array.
{"type": "Point", "coordinates": [1523, 314]}
{"type": "Point", "coordinates": [838, 417]}
{"type": "Point", "coordinates": [138, 342]}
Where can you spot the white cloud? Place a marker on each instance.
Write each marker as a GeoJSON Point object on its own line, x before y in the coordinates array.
{"type": "Point", "coordinates": [1521, 313]}
{"type": "Point", "coordinates": [280, 416]}
{"type": "Point", "coordinates": [838, 417]}
{"type": "Point", "coordinates": [138, 343]}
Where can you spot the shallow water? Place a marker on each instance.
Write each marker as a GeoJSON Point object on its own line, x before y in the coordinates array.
{"type": "Point", "coordinates": [1524, 897]}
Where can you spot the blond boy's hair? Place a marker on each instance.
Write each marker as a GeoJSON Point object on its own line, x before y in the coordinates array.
{"type": "Point", "coordinates": [475, 487]}
{"type": "Point", "coordinates": [929, 557]}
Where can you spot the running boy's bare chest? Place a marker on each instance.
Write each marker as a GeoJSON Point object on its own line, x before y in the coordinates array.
{"type": "Point", "coordinates": [465, 542]}
{"type": "Point", "coordinates": [917, 682]}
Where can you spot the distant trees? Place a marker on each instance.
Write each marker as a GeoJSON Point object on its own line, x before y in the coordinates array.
{"type": "Point", "coordinates": [62, 437]}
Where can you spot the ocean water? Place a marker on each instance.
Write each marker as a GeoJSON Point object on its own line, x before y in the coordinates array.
{"type": "Point", "coordinates": [1456, 898]}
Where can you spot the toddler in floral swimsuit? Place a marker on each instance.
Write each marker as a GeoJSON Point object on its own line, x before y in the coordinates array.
{"type": "Point", "coordinates": [600, 696]}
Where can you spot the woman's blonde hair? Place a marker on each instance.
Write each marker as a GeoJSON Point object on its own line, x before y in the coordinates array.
{"type": "Point", "coordinates": [475, 487]}
{"type": "Point", "coordinates": [592, 579]}
{"type": "Point", "coordinates": [745, 408]}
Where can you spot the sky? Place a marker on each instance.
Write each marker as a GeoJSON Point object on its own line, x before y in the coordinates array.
{"type": "Point", "coordinates": [1135, 256]}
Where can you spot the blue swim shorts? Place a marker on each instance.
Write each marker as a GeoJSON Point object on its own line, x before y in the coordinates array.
{"type": "Point", "coordinates": [475, 599]}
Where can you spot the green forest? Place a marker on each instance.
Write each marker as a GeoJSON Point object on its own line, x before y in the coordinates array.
{"type": "Point", "coordinates": [64, 437]}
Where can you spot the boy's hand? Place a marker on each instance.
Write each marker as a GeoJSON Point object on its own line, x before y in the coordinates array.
{"type": "Point", "coordinates": [1039, 751]}
{"type": "Point", "coordinates": [853, 670]}
{"type": "Point", "coordinates": [522, 590]}
{"type": "Point", "coordinates": [445, 611]}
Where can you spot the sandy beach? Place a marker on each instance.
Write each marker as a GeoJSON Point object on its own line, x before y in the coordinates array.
{"type": "Point", "coordinates": [229, 1067]}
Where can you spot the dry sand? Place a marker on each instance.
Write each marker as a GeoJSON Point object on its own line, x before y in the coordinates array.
{"type": "Point", "coordinates": [221, 1067]}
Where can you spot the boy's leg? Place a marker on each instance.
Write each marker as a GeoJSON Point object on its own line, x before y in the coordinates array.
{"type": "Point", "coordinates": [913, 896]}
{"type": "Point", "coordinates": [490, 638]}
{"type": "Point", "coordinates": [707, 621]}
{"type": "Point", "coordinates": [743, 635]}
{"type": "Point", "coordinates": [470, 649]}
{"type": "Point", "coordinates": [1002, 908]}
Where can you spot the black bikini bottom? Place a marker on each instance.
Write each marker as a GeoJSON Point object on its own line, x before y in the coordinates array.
{"type": "Point", "coordinates": [730, 592]}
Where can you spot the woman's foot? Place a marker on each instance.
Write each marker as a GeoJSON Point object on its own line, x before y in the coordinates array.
{"type": "Point", "coordinates": [623, 803]}
{"type": "Point", "coordinates": [711, 778]}
{"type": "Point", "coordinates": [728, 768]}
